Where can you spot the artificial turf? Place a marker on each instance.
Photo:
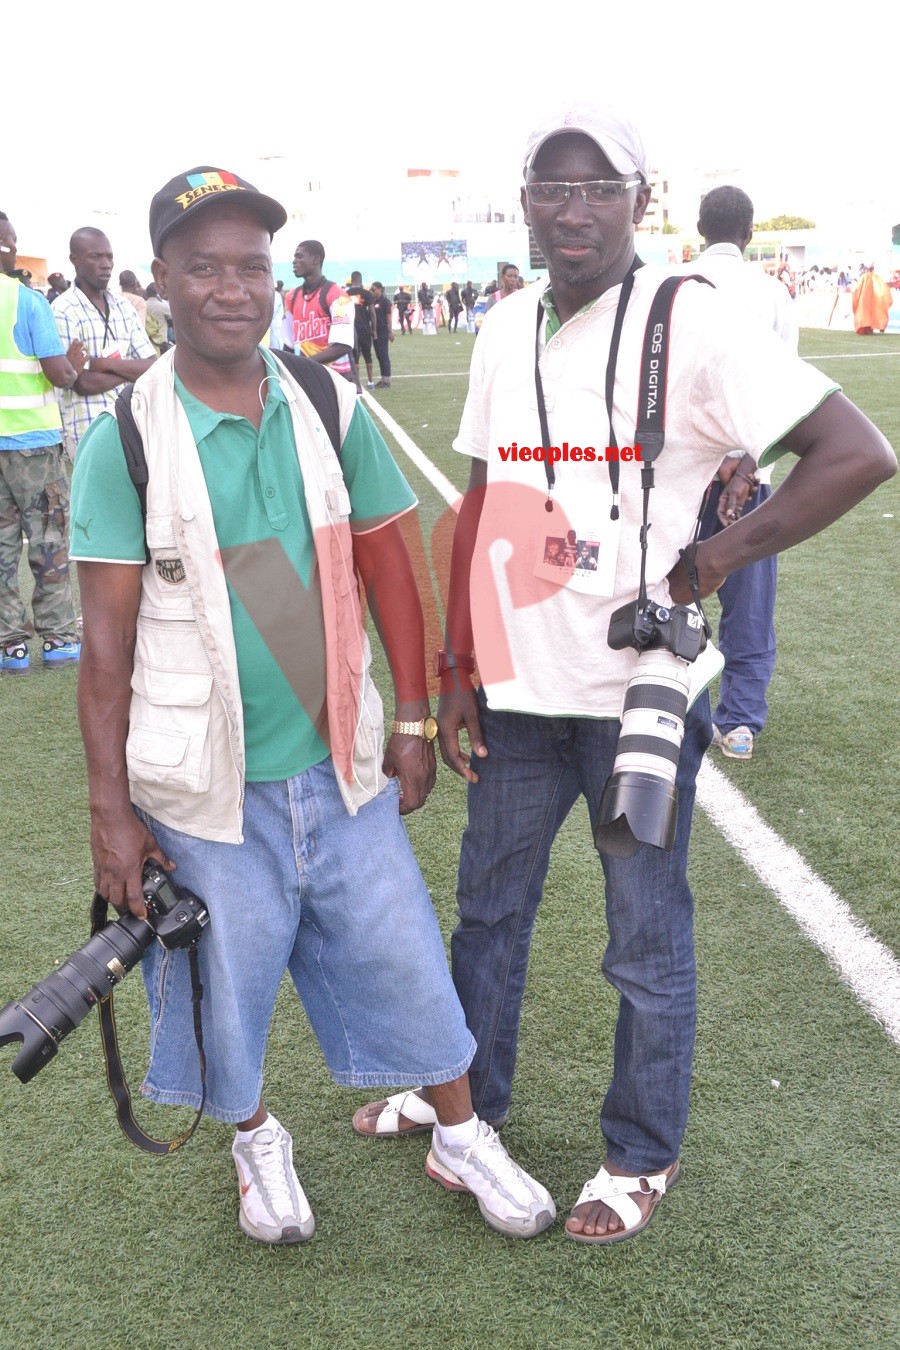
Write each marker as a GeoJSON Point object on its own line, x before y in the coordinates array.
{"type": "Point", "coordinates": [782, 1230]}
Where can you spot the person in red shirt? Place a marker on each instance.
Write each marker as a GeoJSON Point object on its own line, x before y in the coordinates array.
{"type": "Point", "coordinates": [319, 315]}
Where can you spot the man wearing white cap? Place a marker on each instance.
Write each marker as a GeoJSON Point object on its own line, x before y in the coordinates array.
{"type": "Point", "coordinates": [563, 369]}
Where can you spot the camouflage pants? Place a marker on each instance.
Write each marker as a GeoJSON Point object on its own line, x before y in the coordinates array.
{"type": "Point", "coordinates": [34, 504]}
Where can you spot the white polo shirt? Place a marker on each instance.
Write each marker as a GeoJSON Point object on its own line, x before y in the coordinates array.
{"type": "Point", "coordinates": [541, 623]}
{"type": "Point", "coordinates": [754, 292]}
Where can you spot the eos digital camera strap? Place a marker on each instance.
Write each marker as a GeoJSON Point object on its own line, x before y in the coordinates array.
{"type": "Point", "coordinates": [650, 430]}
{"type": "Point", "coordinates": [115, 1074]}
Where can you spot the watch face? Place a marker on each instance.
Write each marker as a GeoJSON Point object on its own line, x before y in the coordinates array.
{"type": "Point", "coordinates": [430, 728]}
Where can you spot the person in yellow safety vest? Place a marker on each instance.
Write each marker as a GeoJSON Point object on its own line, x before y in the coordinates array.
{"type": "Point", "coordinates": [34, 486]}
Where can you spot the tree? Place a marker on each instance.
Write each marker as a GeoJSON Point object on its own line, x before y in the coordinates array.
{"type": "Point", "coordinates": [785, 223]}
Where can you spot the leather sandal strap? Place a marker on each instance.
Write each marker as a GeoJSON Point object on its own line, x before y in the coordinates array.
{"type": "Point", "coordinates": [616, 1192]}
{"type": "Point", "coordinates": [408, 1104]}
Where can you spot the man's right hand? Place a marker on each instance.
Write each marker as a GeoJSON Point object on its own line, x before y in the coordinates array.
{"type": "Point", "coordinates": [76, 355]}
{"type": "Point", "coordinates": [458, 708]}
{"type": "Point", "coordinates": [119, 849]}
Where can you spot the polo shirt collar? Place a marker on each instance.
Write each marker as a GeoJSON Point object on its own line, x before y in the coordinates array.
{"type": "Point", "coordinates": [723, 250]}
{"type": "Point", "coordinates": [554, 323]}
{"type": "Point", "coordinates": [204, 419]}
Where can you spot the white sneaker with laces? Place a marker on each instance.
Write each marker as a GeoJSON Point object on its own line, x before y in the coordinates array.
{"type": "Point", "coordinates": [510, 1200]}
{"type": "Point", "coordinates": [274, 1207]}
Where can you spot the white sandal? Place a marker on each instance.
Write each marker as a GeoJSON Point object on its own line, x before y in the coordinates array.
{"type": "Point", "coordinates": [387, 1126]}
{"type": "Point", "coordinates": [616, 1192]}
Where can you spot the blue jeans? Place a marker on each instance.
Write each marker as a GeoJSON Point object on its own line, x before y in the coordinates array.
{"type": "Point", "coordinates": [536, 769]}
{"type": "Point", "coordinates": [339, 902]}
{"type": "Point", "coordinates": [746, 628]}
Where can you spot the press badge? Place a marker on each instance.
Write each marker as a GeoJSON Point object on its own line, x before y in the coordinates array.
{"type": "Point", "coordinates": [584, 558]}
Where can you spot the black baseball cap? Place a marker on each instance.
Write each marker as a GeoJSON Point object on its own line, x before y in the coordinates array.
{"type": "Point", "coordinates": [203, 187]}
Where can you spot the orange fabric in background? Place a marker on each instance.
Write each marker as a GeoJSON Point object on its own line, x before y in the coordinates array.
{"type": "Point", "coordinates": [871, 302]}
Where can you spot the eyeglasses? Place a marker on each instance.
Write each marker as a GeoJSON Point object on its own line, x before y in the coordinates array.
{"type": "Point", "coordinates": [603, 192]}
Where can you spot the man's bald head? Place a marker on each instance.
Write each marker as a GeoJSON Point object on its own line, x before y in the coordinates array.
{"type": "Point", "coordinates": [92, 257]}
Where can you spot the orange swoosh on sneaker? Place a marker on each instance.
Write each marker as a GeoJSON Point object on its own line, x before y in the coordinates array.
{"type": "Point", "coordinates": [244, 1185]}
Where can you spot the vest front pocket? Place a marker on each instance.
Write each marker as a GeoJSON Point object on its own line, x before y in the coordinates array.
{"type": "Point", "coordinates": [168, 739]}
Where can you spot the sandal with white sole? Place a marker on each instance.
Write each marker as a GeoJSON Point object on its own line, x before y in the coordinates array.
{"type": "Point", "coordinates": [616, 1192]}
{"type": "Point", "coordinates": [387, 1125]}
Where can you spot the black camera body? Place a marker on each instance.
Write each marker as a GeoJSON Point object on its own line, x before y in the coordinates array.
{"type": "Point", "coordinates": [58, 1004]}
{"type": "Point", "coordinates": [176, 916]}
{"type": "Point", "coordinates": [679, 630]}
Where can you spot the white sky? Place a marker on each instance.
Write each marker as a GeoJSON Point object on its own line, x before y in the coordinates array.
{"type": "Point", "coordinates": [806, 109]}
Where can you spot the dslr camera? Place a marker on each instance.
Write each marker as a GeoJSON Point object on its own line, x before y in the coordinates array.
{"type": "Point", "coordinates": [57, 1005]}
{"type": "Point", "coordinates": [640, 801]}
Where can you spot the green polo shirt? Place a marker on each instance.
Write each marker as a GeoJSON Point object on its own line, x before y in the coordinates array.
{"type": "Point", "coordinates": [262, 526]}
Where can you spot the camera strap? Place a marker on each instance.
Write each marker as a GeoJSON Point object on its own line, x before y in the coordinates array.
{"type": "Point", "coordinates": [650, 432]}
{"type": "Point", "coordinates": [621, 306]}
{"type": "Point", "coordinates": [115, 1074]}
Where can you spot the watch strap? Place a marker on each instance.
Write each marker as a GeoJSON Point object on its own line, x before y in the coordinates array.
{"type": "Point", "coordinates": [444, 661]}
{"type": "Point", "coordinates": [415, 728]}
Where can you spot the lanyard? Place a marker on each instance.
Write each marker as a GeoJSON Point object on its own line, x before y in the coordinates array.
{"type": "Point", "coordinates": [105, 313]}
{"type": "Point", "coordinates": [612, 464]}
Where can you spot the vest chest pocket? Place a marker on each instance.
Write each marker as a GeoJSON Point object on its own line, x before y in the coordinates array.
{"type": "Point", "coordinates": [168, 737]}
{"type": "Point", "coordinates": [166, 590]}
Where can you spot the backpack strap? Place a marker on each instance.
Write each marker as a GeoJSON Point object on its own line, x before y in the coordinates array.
{"type": "Point", "coordinates": [133, 449]}
{"type": "Point", "coordinates": [319, 388]}
{"type": "Point", "coordinates": [322, 291]}
{"type": "Point", "coordinates": [313, 379]}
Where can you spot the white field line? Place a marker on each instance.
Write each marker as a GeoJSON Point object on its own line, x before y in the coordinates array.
{"type": "Point", "coordinates": [438, 481]}
{"type": "Point", "coordinates": [871, 969]}
{"type": "Point", "coordinates": [865, 964]}
{"type": "Point", "coordinates": [442, 375]}
{"type": "Point", "coordinates": [848, 356]}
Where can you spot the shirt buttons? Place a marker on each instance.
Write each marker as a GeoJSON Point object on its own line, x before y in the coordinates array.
{"type": "Point", "coordinates": [270, 492]}
{"type": "Point", "coordinates": [557, 342]}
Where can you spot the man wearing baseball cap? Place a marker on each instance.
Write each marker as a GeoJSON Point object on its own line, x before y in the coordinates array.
{"type": "Point", "coordinates": [564, 369]}
{"type": "Point", "coordinates": [232, 730]}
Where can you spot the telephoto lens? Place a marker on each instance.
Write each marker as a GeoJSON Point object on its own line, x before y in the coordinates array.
{"type": "Point", "coordinates": [56, 1006]}
{"type": "Point", "coordinates": [640, 801]}
{"type": "Point", "coordinates": [61, 1002]}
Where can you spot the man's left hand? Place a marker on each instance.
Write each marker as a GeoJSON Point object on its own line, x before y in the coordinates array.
{"type": "Point", "coordinates": [410, 759]}
{"type": "Point", "coordinates": [680, 586]}
{"type": "Point", "coordinates": [732, 499]}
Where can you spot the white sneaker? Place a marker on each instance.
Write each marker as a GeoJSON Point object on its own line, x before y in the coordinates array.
{"type": "Point", "coordinates": [274, 1207]}
{"type": "Point", "coordinates": [510, 1200]}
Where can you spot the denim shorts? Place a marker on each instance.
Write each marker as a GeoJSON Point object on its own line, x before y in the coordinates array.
{"type": "Point", "coordinates": [339, 902]}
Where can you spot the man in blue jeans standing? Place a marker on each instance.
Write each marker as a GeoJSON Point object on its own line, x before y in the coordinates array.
{"type": "Point", "coordinates": [747, 597]}
{"type": "Point", "coordinates": [543, 727]}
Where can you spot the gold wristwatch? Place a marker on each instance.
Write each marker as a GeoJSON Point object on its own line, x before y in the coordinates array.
{"type": "Point", "coordinates": [427, 728]}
